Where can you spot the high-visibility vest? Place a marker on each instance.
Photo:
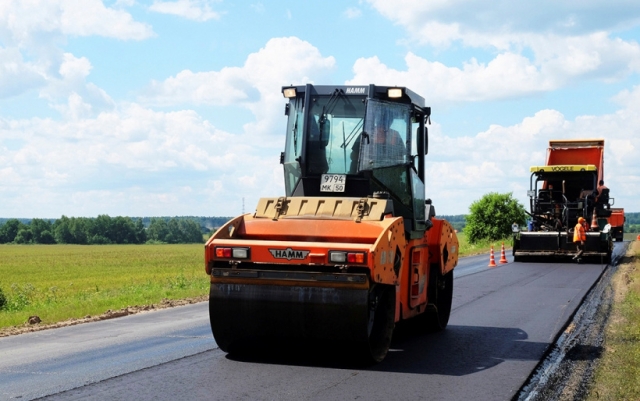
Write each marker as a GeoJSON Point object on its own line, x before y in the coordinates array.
{"type": "Point", "coordinates": [579, 233]}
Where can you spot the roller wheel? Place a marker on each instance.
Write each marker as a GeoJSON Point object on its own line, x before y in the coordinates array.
{"type": "Point", "coordinates": [223, 341]}
{"type": "Point", "coordinates": [382, 302]}
{"type": "Point", "coordinates": [440, 295]}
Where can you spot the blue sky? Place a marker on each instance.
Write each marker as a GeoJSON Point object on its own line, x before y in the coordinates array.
{"type": "Point", "coordinates": [147, 108]}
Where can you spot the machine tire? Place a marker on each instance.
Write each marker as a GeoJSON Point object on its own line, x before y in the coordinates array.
{"type": "Point", "coordinates": [437, 315]}
{"type": "Point", "coordinates": [382, 307]}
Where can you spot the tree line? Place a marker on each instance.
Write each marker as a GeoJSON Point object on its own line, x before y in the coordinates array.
{"type": "Point", "coordinates": [632, 223]}
{"type": "Point", "coordinates": [102, 230]}
{"type": "Point", "coordinates": [190, 229]}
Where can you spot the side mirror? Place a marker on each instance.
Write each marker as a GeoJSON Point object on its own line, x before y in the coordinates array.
{"type": "Point", "coordinates": [421, 137]}
{"type": "Point", "coordinates": [426, 140]}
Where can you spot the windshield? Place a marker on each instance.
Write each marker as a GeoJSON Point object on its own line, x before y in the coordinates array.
{"type": "Point", "coordinates": [335, 123]}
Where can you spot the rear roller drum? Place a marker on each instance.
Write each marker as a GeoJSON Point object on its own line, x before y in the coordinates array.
{"type": "Point", "coordinates": [223, 339]}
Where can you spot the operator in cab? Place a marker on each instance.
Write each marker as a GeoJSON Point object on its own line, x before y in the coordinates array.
{"type": "Point", "coordinates": [387, 147]}
{"type": "Point", "coordinates": [389, 144]}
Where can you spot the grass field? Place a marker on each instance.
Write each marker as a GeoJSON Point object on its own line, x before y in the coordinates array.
{"type": "Point", "coordinates": [58, 282]}
{"type": "Point", "coordinates": [618, 371]}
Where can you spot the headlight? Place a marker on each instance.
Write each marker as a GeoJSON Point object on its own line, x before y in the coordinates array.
{"type": "Point", "coordinates": [395, 93]}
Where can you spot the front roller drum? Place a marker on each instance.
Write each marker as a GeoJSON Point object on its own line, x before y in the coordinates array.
{"type": "Point", "coordinates": [243, 314]}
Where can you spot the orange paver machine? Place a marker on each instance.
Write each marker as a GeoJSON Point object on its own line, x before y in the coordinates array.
{"type": "Point", "coordinates": [563, 190]}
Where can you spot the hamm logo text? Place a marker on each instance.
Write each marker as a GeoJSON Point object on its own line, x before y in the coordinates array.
{"type": "Point", "coordinates": [288, 254]}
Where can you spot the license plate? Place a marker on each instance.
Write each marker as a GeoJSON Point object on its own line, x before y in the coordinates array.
{"type": "Point", "coordinates": [333, 182]}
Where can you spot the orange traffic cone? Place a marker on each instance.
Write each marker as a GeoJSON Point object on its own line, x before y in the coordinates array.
{"type": "Point", "coordinates": [503, 257]}
{"type": "Point", "coordinates": [594, 221]}
{"type": "Point", "coordinates": [638, 238]}
{"type": "Point", "coordinates": [492, 260]}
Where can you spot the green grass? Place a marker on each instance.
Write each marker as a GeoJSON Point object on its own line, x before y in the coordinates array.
{"type": "Point", "coordinates": [618, 372]}
{"type": "Point", "coordinates": [58, 282]}
{"type": "Point", "coordinates": [467, 249]}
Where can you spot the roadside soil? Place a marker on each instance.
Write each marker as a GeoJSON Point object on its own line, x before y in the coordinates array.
{"type": "Point", "coordinates": [33, 324]}
{"type": "Point", "coordinates": [567, 371]}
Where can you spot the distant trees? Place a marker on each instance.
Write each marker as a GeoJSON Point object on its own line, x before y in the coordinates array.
{"type": "Point", "coordinates": [174, 231]}
{"type": "Point", "coordinates": [632, 223]}
{"type": "Point", "coordinates": [9, 230]}
{"type": "Point", "coordinates": [100, 230]}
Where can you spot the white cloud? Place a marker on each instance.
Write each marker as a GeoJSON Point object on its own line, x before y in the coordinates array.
{"type": "Point", "coordinates": [105, 156]}
{"type": "Point", "coordinates": [569, 41]}
{"type": "Point", "coordinates": [124, 3]}
{"type": "Point", "coordinates": [34, 30]}
{"type": "Point", "coordinates": [124, 161]}
{"type": "Point", "coordinates": [463, 169]}
{"type": "Point", "coordinates": [352, 12]}
{"type": "Point", "coordinates": [481, 23]}
{"type": "Point", "coordinates": [16, 75]}
{"type": "Point", "coordinates": [256, 85]}
{"type": "Point", "coordinates": [138, 152]}
{"type": "Point", "coordinates": [74, 68]}
{"type": "Point", "coordinates": [508, 75]}
{"type": "Point", "coordinates": [69, 93]}
{"type": "Point", "coordinates": [196, 10]}
{"type": "Point", "coordinates": [136, 161]}
{"type": "Point", "coordinates": [27, 23]}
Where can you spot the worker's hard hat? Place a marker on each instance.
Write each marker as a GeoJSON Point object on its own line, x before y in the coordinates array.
{"type": "Point", "coordinates": [580, 219]}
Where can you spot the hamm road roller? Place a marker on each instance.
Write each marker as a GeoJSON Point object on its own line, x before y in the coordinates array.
{"type": "Point", "coordinates": [353, 246]}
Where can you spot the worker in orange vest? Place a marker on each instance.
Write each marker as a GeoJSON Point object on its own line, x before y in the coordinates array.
{"type": "Point", "coordinates": [580, 236]}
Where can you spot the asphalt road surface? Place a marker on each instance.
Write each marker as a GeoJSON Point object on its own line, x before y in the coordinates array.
{"type": "Point", "coordinates": [503, 320]}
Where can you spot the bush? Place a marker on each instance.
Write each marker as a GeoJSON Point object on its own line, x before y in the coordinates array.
{"type": "Point", "coordinates": [23, 295]}
{"type": "Point", "coordinates": [491, 217]}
